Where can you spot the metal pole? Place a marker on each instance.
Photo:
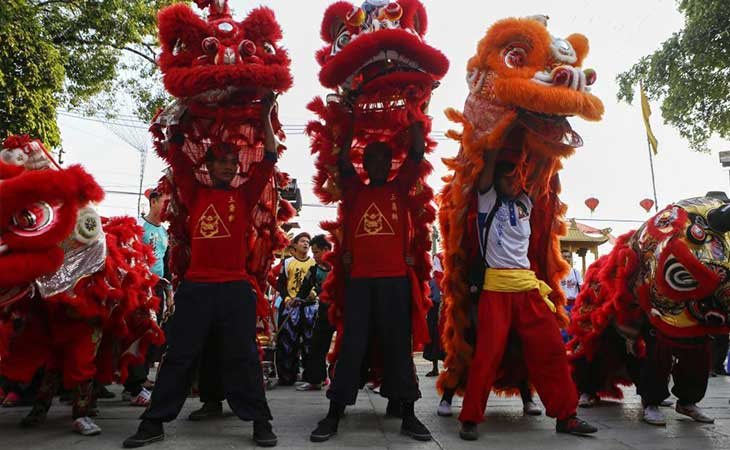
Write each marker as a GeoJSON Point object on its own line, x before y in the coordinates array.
{"type": "Point", "coordinates": [653, 180]}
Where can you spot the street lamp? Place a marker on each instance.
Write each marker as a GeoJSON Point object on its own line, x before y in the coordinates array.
{"type": "Point", "coordinates": [725, 159]}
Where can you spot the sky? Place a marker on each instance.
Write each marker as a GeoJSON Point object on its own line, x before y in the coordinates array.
{"type": "Point", "coordinates": [613, 164]}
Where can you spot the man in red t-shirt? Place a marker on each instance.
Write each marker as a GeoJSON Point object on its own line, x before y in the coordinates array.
{"type": "Point", "coordinates": [216, 296]}
{"type": "Point", "coordinates": [377, 289]}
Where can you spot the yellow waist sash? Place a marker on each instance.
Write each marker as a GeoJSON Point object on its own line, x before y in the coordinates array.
{"type": "Point", "coordinates": [516, 280]}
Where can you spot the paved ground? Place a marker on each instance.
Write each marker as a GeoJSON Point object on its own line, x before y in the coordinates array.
{"type": "Point", "coordinates": [296, 414]}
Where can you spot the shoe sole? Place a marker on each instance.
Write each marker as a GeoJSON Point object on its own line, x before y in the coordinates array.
{"type": "Point", "coordinates": [656, 424]}
{"type": "Point", "coordinates": [696, 420]}
{"type": "Point", "coordinates": [418, 437]}
{"type": "Point", "coordinates": [266, 443]}
{"type": "Point", "coordinates": [137, 444]}
{"type": "Point", "coordinates": [88, 433]}
{"type": "Point", "coordinates": [321, 437]}
{"type": "Point", "coordinates": [468, 437]}
{"type": "Point", "coordinates": [440, 414]}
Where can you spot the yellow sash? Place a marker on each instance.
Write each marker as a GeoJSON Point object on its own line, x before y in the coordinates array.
{"type": "Point", "coordinates": [516, 280]}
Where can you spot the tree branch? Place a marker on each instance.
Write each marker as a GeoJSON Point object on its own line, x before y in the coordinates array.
{"type": "Point", "coordinates": [138, 53]}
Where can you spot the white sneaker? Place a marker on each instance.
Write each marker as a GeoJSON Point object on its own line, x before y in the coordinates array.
{"type": "Point", "coordinates": [444, 409]}
{"type": "Point", "coordinates": [653, 416]}
{"type": "Point", "coordinates": [666, 403]}
{"type": "Point", "coordinates": [588, 400]}
{"type": "Point", "coordinates": [142, 399]}
{"type": "Point", "coordinates": [531, 409]}
{"type": "Point", "coordinates": [309, 387]}
{"type": "Point", "coordinates": [693, 411]}
{"type": "Point", "coordinates": [86, 427]}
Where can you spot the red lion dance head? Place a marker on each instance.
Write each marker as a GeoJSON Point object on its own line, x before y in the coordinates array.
{"type": "Point", "coordinates": [219, 69]}
{"type": "Point", "coordinates": [383, 73]}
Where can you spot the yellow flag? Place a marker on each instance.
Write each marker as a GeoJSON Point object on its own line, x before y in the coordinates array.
{"type": "Point", "coordinates": [646, 112]}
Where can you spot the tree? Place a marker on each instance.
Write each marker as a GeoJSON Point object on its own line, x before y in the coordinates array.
{"type": "Point", "coordinates": [690, 73]}
{"type": "Point", "coordinates": [73, 54]}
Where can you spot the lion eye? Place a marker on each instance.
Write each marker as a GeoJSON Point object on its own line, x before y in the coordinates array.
{"type": "Point", "coordinates": [268, 48]}
{"type": "Point", "coordinates": [515, 57]}
{"type": "Point", "coordinates": [33, 219]}
{"type": "Point", "coordinates": [342, 40]}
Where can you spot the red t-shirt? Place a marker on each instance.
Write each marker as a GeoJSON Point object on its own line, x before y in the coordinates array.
{"type": "Point", "coordinates": [376, 232]}
{"type": "Point", "coordinates": [219, 224]}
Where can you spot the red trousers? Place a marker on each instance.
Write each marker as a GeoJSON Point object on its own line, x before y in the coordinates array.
{"type": "Point", "coordinates": [67, 345]}
{"type": "Point", "coordinates": [528, 316]}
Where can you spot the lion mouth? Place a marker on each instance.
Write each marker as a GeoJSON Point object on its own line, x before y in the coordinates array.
{"type": "Point", "coordinates": [566, 76]}
{"type": "Point", "coordinates": [385, 63]}
{"type": "Point", "coordinates": [709, 312]}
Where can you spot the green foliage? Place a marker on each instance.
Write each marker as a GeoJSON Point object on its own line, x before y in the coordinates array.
{"type": "Point", "coordinates": [75, 54]}
{"type": "Point", "coordinates": [690, 73]}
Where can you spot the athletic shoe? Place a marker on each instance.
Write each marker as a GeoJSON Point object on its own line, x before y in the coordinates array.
{"type": "Point", "coordinates": [35, 417]}
{"type": "Point", "coordinates": [444, 409]}
{"type": "Point", "coordinates": [147, 433]}
{"type": "Point", "coordinates": [693, 411]}
{"type": "Point", "coordinates": [86, 427]}
{"type": "Point", "coordinates": [326, 428]}
{"type": "Point", "coordinates": [263, 435]}
{"type": "Point", "coordinates": [105, 393]}
{"type": "Point", "coordinates": [588, 400]}
{"type": "Point", "coordinates": [126, 396]}
{"type": "Point", "coordinates": [468, 431]}
{"type": "Point", "coordinates": [433, 373]}
{"type": "Point", "coordinates": [309, 387]}
{"type": "Point", "coordinates": [574, 425]}
{"type": "Point", "coordinates": [666, 403]}
{"type": "Point", "coordinates": [531, 409]}
{"type": "Point", "coordinates": [413, 428]}
{"type": "Point", "coordinates": [11, 399]}
{"type": "Point", "coordinates": [142, 399]}
{"type": "Point", "coordinates": [654, 416]}
{"type": "Point", "coordinates": [209, 410]}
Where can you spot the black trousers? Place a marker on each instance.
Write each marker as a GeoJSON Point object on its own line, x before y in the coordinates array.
{"type": "Point", "coordinates": [720, 344]}
{"type": "Point", "coordinates": [433, 351]}
{"type": "Point", "coordinates": [210, 376]}
{"type": "Point", "coordinates": [315, 367]}
{"type": "Point", "coordinates": [687, 361]}
{"type": "Point", "coordinates": [381, 308]}
{"type": "Point", "coordinates": [201, 309]}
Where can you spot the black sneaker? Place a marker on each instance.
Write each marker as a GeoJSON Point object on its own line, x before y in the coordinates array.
{"type": "Point", "coordinates": [147, 433]}
{"type": "Point", "coordinates": [326, 428]}
{"type": "Point", "coordinates": [574, 425]}
{"type": "Point", "coordinates": [394, 409]}
{"type": "Point", "coordinates": [35, 417]}
{"type": "Point", "coordinates": [468, 431]}
{"type": "Point", "coordinates": [413, 427]}
{"type": "Point", "coordinates": [263, 435]}
{"type": "Point", "coordinates": [209, 410]}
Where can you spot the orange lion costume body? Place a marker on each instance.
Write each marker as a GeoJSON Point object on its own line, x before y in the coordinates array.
{"type": "Point", "coordinates": [523, 83]}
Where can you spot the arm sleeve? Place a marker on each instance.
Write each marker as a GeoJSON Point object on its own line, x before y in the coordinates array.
{"type": "Point", "coordinates": [308, 283]}
{"type": "Point", "coordinates": [260, 175]}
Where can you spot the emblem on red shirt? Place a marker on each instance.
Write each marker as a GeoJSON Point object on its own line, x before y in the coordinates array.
{"type": "Point", "coordinates": [210, 225]}
{"type": "Point", "coordinates": [373, 223]}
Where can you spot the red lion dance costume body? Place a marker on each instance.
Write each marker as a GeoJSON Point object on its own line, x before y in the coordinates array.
{"type": "Point", "coordinates": [219, 138]}
{"type": "Point", "coordinates": [523, 82]}
{"type": "Point", "coordinates": [383, 74]}
{"type": "Point", "coordinates": [218, 69]}
{"type": "Point", "coordinates": [74, 287]}
{"type": "Point", "coordinates": [647, 309]}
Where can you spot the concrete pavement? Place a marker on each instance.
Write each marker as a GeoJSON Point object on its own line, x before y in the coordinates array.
{"type": "Point", "coordinates": [296, 414]}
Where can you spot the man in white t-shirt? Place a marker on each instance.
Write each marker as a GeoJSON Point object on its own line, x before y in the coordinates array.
{"type": "Point", "coordinates": [514, 301]}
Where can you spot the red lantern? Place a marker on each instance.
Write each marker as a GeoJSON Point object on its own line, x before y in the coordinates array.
{"type": "Point", "coordinates": [592, 203]}
{"type": "Point", "coordinates": [647, 203]}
